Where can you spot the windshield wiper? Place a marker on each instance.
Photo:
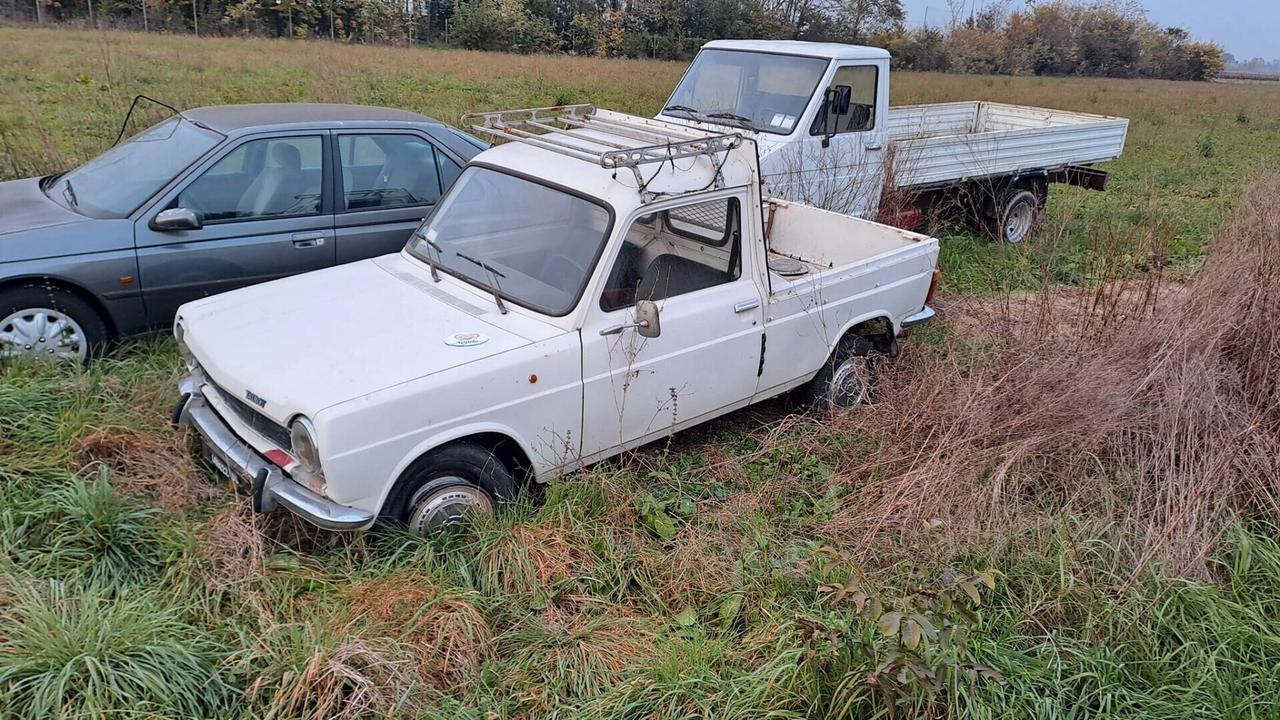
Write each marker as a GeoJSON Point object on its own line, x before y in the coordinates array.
{"type": "Point", "coordinates": [495, 288]}
{"type": "Point", "coordinates": [746, 122]}
{"type": "Point", "coordinates": [435, 274]}
{"type": "Point", "coordinates": [70, 193]}
{"type": "Point", "coordinates": [681, 108]}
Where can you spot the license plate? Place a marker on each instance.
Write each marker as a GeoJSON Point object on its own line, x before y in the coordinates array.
{"type": "Point", "coordinates": [220, 464]}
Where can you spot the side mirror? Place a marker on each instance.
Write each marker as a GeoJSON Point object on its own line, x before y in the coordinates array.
{"type": "Point", "coordinates": [648, 324]}
{"type": "Point", "coordinates": [840, 97]}
{"type": "Point", "coordinates": [176, 219]}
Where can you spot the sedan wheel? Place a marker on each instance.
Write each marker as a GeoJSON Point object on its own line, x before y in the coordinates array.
{"type": "Point", "coordinates": [42, 333]}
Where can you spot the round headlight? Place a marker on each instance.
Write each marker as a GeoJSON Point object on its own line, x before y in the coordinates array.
{"type": "Point", "coordinates": [302, 435]}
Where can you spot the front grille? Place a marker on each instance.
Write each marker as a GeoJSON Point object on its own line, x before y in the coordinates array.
{"type": "Point", "coordinates": [261, 424]}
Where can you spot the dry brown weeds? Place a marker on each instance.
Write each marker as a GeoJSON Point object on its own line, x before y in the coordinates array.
{"type": "Point", "coordinates": [1163, 422]}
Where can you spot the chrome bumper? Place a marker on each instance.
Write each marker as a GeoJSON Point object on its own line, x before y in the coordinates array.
{"type": "Point", "coordinates": [925, 315]}
{"type": "Point", "coordinates": [270, 486]}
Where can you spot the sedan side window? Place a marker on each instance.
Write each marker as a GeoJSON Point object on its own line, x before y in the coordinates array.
{"type": "Point", "coordinates": [272, 177]}
{"type": "Point", "coordinates": [387, 171]}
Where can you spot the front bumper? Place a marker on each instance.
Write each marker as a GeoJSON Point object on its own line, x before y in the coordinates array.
{"type": "Point", "coordinates": [270, 485]}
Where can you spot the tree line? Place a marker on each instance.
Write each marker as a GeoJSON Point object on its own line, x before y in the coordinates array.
{"type": "Point", "coordinates": [1113, 38]}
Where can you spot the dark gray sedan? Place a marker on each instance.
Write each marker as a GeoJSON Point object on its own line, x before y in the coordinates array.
{"type": "Point", "coordinates": [206, 201]}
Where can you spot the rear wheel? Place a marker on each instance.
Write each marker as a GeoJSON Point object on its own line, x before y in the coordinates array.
{"type": "Point", "coordinates": [49, 323]}
{"type": "Point", "coordinates": [1017, 216]}
{"type": "Point", "coordinates": [449, 487]}
{"type": "Point", "coordinates": [847, 379]}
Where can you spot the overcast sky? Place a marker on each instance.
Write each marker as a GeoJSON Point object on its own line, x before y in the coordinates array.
{"type": "Point", "coordinates": [1244, 28]}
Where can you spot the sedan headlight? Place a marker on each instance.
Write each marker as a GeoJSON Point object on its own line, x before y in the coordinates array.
{"type": "Point", "coordinates": [302, 436]}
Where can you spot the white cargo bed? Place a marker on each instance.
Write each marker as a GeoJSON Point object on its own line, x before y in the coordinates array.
{"type": "Point", "coordinates": [948, 142]}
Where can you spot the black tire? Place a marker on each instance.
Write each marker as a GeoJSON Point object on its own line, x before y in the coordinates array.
{"type": "Point", "coordinates": [854, 353]}
{"type": "Point", "coordinates": [1017, 216]}
{"type": "Point", "coordinates": [21, 302]}
{"type": "Point", "coordinates": [437, 491]}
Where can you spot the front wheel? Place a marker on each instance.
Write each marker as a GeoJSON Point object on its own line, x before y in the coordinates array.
{"type": "Point", "coordinates": [49, 323]}
{"type": "Point", "coordinates": [847, 379]}
{"type": "Point", "coordinates": [450, 487]}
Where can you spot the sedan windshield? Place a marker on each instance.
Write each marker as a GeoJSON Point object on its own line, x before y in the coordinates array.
{"type": "Point", "coordinates": [119, 180]}
{"type": "Point", "coordinates": [532, 244]}
{"type": "Point", "coordinates": [770, 90]}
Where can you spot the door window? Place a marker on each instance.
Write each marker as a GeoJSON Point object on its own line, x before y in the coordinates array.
{"type": "Point", "coordinates": [272, 177]}
{"type": "Point", "coordinates": [388, 171]}
{"type": "Point", "coordinates": [862, 81]}
{"type": "Point", "coordinates": [676, 251]}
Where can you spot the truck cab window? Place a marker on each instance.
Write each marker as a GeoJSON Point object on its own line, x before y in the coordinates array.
{"type": "Point", "coordinates": [676, 251]}
{"type": "Point", "coordinates": [862, 80]}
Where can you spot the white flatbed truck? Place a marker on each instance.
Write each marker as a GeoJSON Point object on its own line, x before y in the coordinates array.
{"type": "Point", "coordinates": [828, 137]}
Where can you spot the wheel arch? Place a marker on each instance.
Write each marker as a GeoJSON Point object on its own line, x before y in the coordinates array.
{"type": "Point", "coordinates": [505, 444]}
{"type": "Point", "coordinates": [18, 281]}
{"type": "Point", "coordinates": [876, 326]}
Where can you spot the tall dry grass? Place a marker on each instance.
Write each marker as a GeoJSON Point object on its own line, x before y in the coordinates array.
{"type": "Point", "coordinates": [1161, 423]}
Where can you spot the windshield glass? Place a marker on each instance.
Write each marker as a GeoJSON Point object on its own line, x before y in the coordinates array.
{"type": "Point", "coordinates": [769, 90]}
{"type": "Point", "coordinates": [116, 182]}
{"type": "Point", "coordinates": [539, 243]}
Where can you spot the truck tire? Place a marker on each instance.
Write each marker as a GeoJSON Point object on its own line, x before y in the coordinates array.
{"type": "Point", "coordinates": [48, 322]}
{"type": "Point", "coordinates": [1017, 215]}
{"type": "Point", "coordinates": [439, 492]}
{"type": "Point", "coordinates": [847, 379]}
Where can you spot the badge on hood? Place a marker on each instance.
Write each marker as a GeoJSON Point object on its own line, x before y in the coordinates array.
{"type": "Point", "coordinates": [466, 339]}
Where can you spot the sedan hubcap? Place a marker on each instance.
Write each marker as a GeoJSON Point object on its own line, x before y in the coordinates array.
{"type": "Point", "coordinates": [43, 333]}
{"type": "Point", "coordinates": [447, 509]}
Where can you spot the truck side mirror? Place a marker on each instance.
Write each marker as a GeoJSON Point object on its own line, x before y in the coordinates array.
{"type": "Point", "coordinates": [840, 97]}
{"type": "Point", "coordinates": [648, 324]}
{"type": "Point", "coordinates": [176, 219]}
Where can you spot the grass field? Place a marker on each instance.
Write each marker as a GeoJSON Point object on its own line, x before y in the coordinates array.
{"type": "Point", "coordinates": [1063, 506]}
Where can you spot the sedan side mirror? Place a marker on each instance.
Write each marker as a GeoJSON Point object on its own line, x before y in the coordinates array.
{"type": "Point", "coordinates": [176, 219]}
{"type": "Point", "coordinates": [648, 324]}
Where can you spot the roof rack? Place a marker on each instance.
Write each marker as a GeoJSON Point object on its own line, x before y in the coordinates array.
{"type": "Point", "coordinates": [610, 145]}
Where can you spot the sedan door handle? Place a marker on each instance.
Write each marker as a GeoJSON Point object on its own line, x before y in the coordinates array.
{"type": "Point", "coordinates": [746, 305]}
{"type": "Point", "coordinates": [309, 239]}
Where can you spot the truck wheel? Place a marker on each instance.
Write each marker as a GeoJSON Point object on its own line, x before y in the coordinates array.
{"type": "Point", "coordinates": [847, 379]}
{"type": "Point", "coordinates": [1018, 214]}
{"type": "Point", "coordinates": [48, 322]}
{"type": "Point", "coordinates": [440, 492]}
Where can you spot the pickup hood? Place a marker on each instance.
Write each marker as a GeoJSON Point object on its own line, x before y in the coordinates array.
{"type": "Point", "coordinates": [24, 207]}
{"type": "Point", "coordinates": [315, 340]}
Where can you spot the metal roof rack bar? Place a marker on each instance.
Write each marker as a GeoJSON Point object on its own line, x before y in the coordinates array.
{"type": "Point", "coordinates": [661, 142]}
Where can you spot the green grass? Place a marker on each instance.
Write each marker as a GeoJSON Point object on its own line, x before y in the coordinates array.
{"type": "Point", "coordinates": [689, 581]}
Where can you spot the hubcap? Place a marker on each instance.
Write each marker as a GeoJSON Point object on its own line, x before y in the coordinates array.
{"type": "Point", "coordinates": [446, 509]}
{"type": "Point", "coordinates": [1017, 222]}
{"type": "Point", "coordinates": [42, 333]}
{"type": "Point", "coordinates": [851, 382]}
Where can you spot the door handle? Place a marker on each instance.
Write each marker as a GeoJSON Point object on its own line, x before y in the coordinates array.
{"type": "Point", "coordinates": [309, 239]}
{"type": "Point", "coordinates": [873, 147]}
{"type": "Point", "coordinates": [746, 305]}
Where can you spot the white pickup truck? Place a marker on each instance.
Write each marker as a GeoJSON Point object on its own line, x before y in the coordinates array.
{"type": "Point", "coordinates": [827, 136]}
{"type": "Point", "coordinates": [601, 282]}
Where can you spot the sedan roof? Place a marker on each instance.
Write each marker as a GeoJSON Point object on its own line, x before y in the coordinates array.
{"type": "Point", "coordinates": [230, 118]}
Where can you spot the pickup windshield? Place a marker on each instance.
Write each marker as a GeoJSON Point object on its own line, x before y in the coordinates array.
{"type": "Point", "coordinates": [770, 90]}
{"type": "Point", "coordinates": [532, 244]}
{"type": "Point", "coordinates": [119, 180]}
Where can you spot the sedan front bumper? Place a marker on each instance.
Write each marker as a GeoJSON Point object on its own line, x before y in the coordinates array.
{"type": "Point", "coordinates": [270, 485]}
